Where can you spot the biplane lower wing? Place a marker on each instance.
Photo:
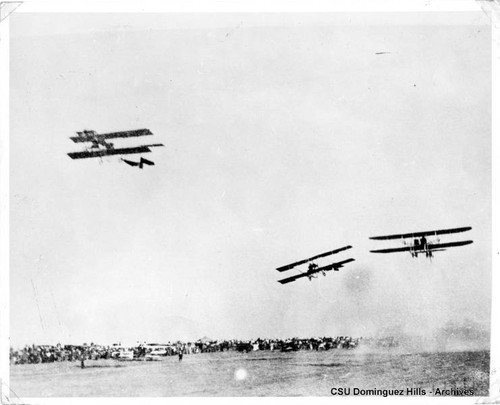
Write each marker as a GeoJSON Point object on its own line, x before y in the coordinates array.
{"type": "Point", "coordinates": [394, 250]}
{"type": "Point", "coordinates": [439, 246]}
{"type": "Point", "coordinates": [109, 152]}
{"type": "Point", "coordinates": [293, 278]}
{"type": "Point", "coordinates": [435, 247]}
{"type": "Point", "coordinates": [332, 252]}
{"type": "Point", "coordinates": [89, 137]}
{"type": "Point", "coordinates": [420, 234]}
{"type": "Point", "coordinates": [334, 266]}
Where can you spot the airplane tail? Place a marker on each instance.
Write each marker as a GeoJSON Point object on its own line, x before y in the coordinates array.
{"type": "Point", "coordinates": [145, 161]}
{"type": "Point", "coordinates": [148, 162]}
{"type": "Point", "coordinates": [130, 163]}
{"type": "Point", "coordinates": [141, 163]}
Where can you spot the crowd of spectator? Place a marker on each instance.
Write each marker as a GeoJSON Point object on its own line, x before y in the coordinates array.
{"type": "Point", "coordinates": [141, 351]}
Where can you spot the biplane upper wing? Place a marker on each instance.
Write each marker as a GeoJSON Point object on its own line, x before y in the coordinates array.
{"type": "Point", "coordinates": [291, 266]}
{"type": "Point", "coordinates": [107, 152]}
{"type": "Point", "coordinates": [334, 266]}
{"type": "Point", "coordinates": [90, 135]}
{"type": "Point", "coordinates": [419, 234]}
{"type": "Point", "coordinates": [439, 246]}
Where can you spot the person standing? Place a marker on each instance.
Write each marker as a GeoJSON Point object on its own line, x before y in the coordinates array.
{"type": "Point", "coordinates": [82, 358]}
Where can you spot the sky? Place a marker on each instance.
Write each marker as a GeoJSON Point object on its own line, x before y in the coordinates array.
{"type": "Point", "coordinates": [284, 138]}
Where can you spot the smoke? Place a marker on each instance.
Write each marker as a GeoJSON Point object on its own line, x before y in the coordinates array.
{"type": "Point", "coordinates": [419, 308]}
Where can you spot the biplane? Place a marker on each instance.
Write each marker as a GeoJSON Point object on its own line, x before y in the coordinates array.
{"type": "Point", "coordinates": [313, 269]}
{"type": "Point", "coordinates": [100, 145]}
{"type": "Point", "coordinates": [420, 244]}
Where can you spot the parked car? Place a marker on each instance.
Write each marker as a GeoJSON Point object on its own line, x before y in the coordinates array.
{"type": "Point", "coordinates": [156, 354]}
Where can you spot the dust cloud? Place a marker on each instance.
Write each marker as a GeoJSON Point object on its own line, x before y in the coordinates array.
{"type": "Point", "coordinates": [420, 310]}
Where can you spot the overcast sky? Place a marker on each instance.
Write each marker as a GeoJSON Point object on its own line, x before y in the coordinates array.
{"type": "Point", "coordinates": [285, 136]}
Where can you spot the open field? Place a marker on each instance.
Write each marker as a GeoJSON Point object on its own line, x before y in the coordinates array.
{"type": "Point", "coordinates": [303, 373]}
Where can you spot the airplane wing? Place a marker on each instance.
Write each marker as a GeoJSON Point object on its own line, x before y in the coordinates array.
{"type": "Point", "coordinates": [83, 137]}
{"type": "Point", "coordinates": [430, 246]}
{"type": "Point", "coordinates": [334, 266]}
{"type": "Point", "coordinates": [293, 278]}
{"type": "Point", "coordinates": [291, 266]}
{"type": "Point", "coordinates": [419, 234]}
{"type": "Point", "coordinates": [403, 249]}
{"type": "Point", "coordinates": [439, 246]}
{"type": "Point", "coordinates": [107, 152]}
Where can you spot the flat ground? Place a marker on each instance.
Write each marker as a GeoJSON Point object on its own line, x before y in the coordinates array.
{"type": "Point", "coordinates": [304, 373]}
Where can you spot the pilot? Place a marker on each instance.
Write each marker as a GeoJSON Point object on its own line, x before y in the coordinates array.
{"type": "Point", "coordinates": [423, 242]}
{"type": "Point", "coordinates": [312, 266]}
